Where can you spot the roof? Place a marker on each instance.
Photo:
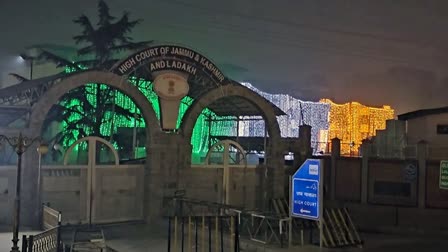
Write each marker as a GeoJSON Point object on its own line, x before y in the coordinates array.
{"type": "Point", "coordinates": [25, 86]}
{"type": "Point", "coordinates": [422, 113]}
{"type": "Point", "coordinates": [16, 100]}
{"type": "Point", "coordinates": [238, 106]}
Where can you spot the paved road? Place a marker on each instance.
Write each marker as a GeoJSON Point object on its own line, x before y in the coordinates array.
{"type": "Point", "coordinates": [151, 238]}
{"type": "Point", "coordinates": [139, 238]}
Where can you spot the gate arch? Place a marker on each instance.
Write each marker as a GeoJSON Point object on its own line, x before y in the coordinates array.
{"type": "Point", "coordinates": [273, 186]}
{"type": "Point", "coordinates": [227, 144]}
{"type": "Point", "coordinates": [191, 115]}
{"type": "Point", "coordinates": [52, 96]}
{"type": "Point", "coordinates": [91, 140]}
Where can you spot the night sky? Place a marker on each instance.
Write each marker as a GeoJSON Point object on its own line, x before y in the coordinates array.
{"type": "Point", "coordinates": [375, 52]}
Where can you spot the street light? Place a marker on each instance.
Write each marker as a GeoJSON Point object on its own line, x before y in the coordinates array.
{"type": "Point", "coordinates": [30, 59]}
{"type": "Point", "coordinates": [20, 144]}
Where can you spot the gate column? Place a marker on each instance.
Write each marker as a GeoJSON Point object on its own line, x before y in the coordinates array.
{"type": "Point", "coordinates": [168, 154]}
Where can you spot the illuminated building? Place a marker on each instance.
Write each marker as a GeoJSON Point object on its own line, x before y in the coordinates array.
{"type": "Point", "coordinates": [352, 122]}
{"type": "Point", "coordinates": [298, 112]}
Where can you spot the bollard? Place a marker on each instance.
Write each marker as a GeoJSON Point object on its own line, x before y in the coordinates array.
{"type": "Point", "coordinates": [302, 239]}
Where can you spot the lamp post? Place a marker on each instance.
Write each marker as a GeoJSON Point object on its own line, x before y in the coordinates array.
{"type": "Point", "coordinates": [20, 145]}
{"type": "Point", "coordinates": [30, 59]}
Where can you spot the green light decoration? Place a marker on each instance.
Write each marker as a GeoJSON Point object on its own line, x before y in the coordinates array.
{"type": "Point", "coordinates": [200, 137]}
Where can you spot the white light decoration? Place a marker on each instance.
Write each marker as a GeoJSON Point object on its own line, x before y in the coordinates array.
{"type": "Point", "coordinates": [298, 112]}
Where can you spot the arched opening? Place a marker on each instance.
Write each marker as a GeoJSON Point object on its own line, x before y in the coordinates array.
{"type": "Point", "coordinates": [93, 186]}
{"type": "Point", "coordinates": [95, 110]}
{"type": "Point", "coordinates": [52, 96]}
{"type": "Point", "coordinates": [233, 103]}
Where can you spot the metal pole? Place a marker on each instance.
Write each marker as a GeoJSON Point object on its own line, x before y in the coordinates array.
{"type": "Point", "coordinates": [39, 190]}
{"type": "Point", "coordinates": [321, 233]}
{"type": "Point", "coordinates": [58, 238]}
{"type": "Point", "coordinates": [30, 243]}
{"type": "Point", "coordinates": [196, 234]}
{"type": "Point", "coordinates": [203, 233]}
{"type": "Point", "coordinates": [31, 68]}
{"type": "Point", "coordinates": [216, 234]}
{"type": "Point", "coordinates": [209, 234]}
{"type": "Point", "coordinates": [189, 233]}
{"type": "Point", "coordinates": [237, 234]}
{"type": "Point", "coordinates": [134, 136]}
{"type": "Point", "coordinates": [20, 144]}
{"type": "Point", "coordinates": [169, 234]}
{"type": "Point", "coordinates": [222, 238]}
{"type": "Point", "coordinates": [24, 244]}
{"type": "Point", "coordinates": [290, 217]}
{"type": "Point", "coordinates": [175, 234]}
{"type": "Point", "coordinates": [231, 231]}
{"type": "Point", "coordinates": [16, 223]}
{"type": "Point", "coordinates": [183, 233]}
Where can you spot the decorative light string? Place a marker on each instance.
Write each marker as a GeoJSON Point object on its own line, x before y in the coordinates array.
{"type": "Point", "coordinates": [351, 122]}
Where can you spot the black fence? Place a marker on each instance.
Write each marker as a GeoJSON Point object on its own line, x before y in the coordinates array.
{"type": "Point", "coordinates": [203, 233]}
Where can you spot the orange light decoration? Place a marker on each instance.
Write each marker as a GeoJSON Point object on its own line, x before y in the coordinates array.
{"type": "Point", "coordinates": [353, 122]}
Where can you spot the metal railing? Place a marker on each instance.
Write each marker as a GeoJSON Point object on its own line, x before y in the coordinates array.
{"type": "Point", "coordinates": [255, 225]}
{"type": "Point", "coordinates": [203, 233]}
{"type": "Point", "coordinates": [48, 240]}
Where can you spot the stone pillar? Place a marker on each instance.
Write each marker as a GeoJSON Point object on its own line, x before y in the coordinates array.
{"type": "Point", "coordinates": [305, 140]}
{"type": "Point", "coordinates": [29, 199]}
{"type": "Point", "coordinates": [272, 175]}
{"type": "Point", "coordinates": [166, 158]}
{"type": "Point", "coordinates": [422, 147]}
{"type": "Point", "coordinates": [365, 148]}
{"type": "Point", "coordinates": [335, 154]}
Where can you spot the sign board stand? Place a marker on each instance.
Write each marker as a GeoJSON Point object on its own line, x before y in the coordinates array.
{"type": "Point", "coordinates": [306, 194]}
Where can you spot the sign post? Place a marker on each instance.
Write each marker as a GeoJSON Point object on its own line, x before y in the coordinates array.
{"type": "Point", "coordinates": [307, 192]}
{"type": "Point", "coordinates": [443, 179]}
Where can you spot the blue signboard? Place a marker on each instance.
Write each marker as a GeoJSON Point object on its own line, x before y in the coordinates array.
{"type": "Point", "coordinates": [305, 190]}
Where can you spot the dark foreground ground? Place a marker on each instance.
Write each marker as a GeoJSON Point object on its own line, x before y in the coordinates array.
{"type": "Point", "coordinates": [143, 237]}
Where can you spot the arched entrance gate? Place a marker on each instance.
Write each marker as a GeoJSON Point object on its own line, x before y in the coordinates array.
{"type": "Point", "coordinates": [168, 165]}
{"type": "Point", "coordinates": [92, 187]}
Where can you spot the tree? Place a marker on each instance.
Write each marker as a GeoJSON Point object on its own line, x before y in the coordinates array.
{"type": "Point", "coordinates": [82, 114]}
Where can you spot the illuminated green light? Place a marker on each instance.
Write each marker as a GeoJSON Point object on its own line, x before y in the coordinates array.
{"type": "Point", "coordinates": [200, 136]}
